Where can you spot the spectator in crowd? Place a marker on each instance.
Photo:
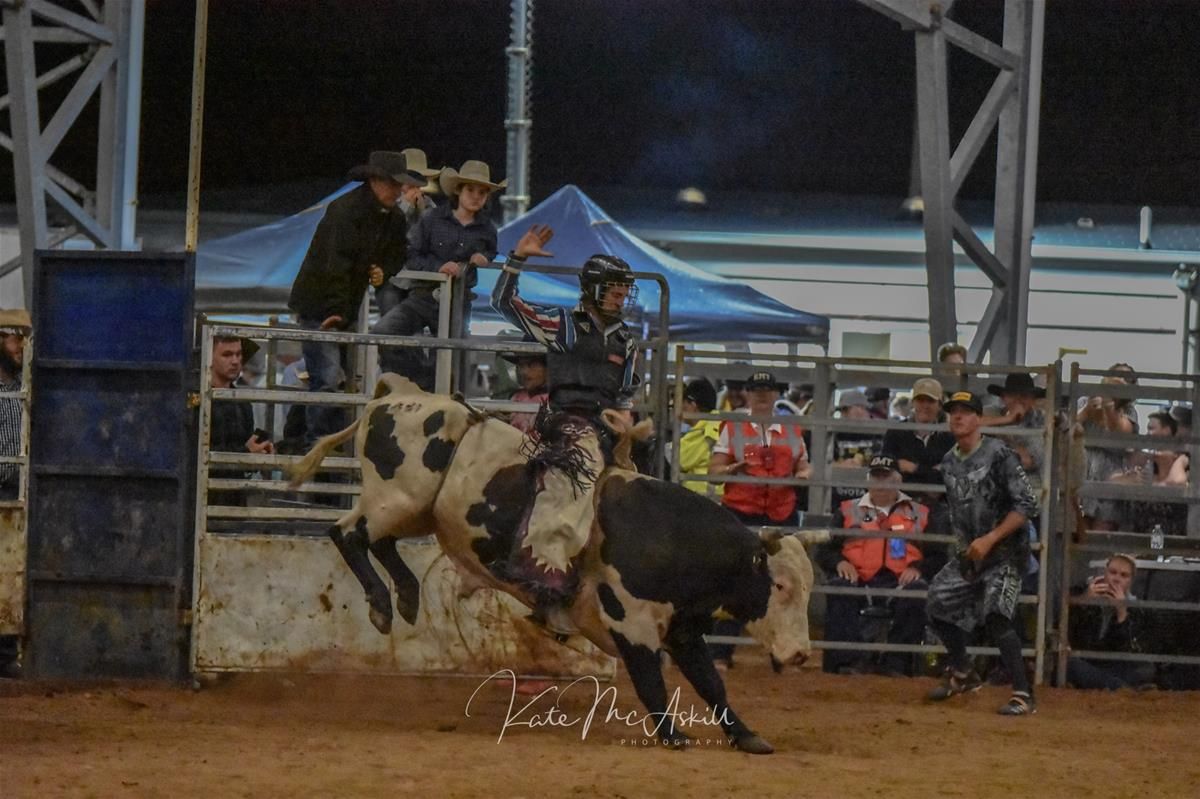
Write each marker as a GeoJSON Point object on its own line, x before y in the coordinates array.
{"type": "Point", "coordinates": [990, 501]}
{"type": "Point", "coordinates": [732, 397]}
{"type": "Point", "coordinates": [1019, 396]}
{"type": "Point", "coordinates": [802, 396]}
{"type": "Point", "coordinates": [414, 201]}
{"type": "Point", "coordinates": [879, 400]}
{"type": "Point", "coordinates": [1098, 415]}
{"type": "Point", "coordinates": [758, 450]}
{"type": "Point", "coordinates": [531, 377]}
{"type": "Point", "coordinates": [1183, 420]}
{"type": "Point", "coordinates": [1160, 467]}
{"type": "Point", "coordinates": [697, 443]}
{"type": "Point", "coordinates": [952, 353]}
{"type": "Point", "coordinates": [1111, 627]}
{"type": "Point", "coordinates": [15, 329]}
{"type": "Point", "coordinates": [232, 423]}
{"type": "Point", "coordinates": [901, 407]}
{"type": "Point", "coordinates": [919, 456]}
{"type": "Point", "coordinates": [875, 563]}
{"type": "Point", "coordinates": [851, 451]}
{"type": "Point", "coordinates": [361, 240]}
{"type": "Point", "coordinates": [454, 239]}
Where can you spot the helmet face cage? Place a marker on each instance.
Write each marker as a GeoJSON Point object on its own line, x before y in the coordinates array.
{"type": "Point", "coordinates": [602, 272]}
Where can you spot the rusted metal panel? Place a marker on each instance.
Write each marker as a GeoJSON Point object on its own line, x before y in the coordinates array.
{"type": "Point", "coordinates": [289, 603]}
{"type": "Point", "coordinates": [12, 570]}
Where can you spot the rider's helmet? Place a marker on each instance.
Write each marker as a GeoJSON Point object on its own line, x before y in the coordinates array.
{"type": "Point", "coordinates": [599, 274]}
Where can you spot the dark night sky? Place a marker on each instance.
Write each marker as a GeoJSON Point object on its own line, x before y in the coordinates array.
{"type": "Point", "coordinates": [791, 96]}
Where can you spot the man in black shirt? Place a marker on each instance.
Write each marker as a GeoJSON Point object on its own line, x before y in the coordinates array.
{"type": "Point", "coordinates": [361, 240]}
{"type": "Point", "coordinates": [919, 455]}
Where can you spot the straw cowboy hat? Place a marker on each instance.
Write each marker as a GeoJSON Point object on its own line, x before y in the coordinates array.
{"type": "Point", "coordinates": [388, 165]}
{"type": "Point", "coordinates": [15, 322]}
{"type": "Point", "coordinates": [472, 172]}
{"type": "Point", "coordinates": [416, 162]}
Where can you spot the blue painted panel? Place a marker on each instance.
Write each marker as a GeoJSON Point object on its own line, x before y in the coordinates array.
{"type": "Point", "coordinates": [97, 310]}
{"type": "Point", "coordinates": [108, 419]}
{"type": "Point", "coordinates": [112, 465]}
{"type": "Point", "coordinates": [105, 631]}
{"type": "Point", "coordinates": [106, 526]}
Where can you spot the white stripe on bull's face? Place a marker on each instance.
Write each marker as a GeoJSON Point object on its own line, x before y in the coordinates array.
{"type": "Point", "coordinates": [405, 446]}
{"type": "Point", "coordinates": [783, 631]}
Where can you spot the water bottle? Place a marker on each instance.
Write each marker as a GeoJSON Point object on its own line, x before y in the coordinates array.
{"type": "Point", "coordinates": [896, 548]}
{"type": "Point", "coordinates": [1156, 539]}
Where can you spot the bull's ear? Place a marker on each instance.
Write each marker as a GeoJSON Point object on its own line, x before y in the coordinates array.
{"type": "Point", "coordinates": [770, 540]}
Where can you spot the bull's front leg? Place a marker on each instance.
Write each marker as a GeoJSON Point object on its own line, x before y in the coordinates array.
{"type": "Point", "coordinates": [686, 645]}
{"type": "Point", "coordinates": [645, 672]}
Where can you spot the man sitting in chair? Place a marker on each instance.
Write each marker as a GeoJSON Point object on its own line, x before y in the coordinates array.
{"type": "Point", "coordinates": [875, 563]}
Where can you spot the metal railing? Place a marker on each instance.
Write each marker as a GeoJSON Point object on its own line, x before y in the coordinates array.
{"type": "Point", "coordinates": [826, 375]}
{"type": "Point", "coordinates": [13, 513]}
{"type": "Point", "coordinates": [1168, 550]}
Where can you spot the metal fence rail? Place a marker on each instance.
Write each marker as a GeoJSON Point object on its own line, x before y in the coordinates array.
{"type": "Point", "coordinates": [829, 374]}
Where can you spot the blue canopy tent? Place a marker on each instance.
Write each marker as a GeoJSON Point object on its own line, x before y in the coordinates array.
{"type": "Point", "coordinates": [252, 272]}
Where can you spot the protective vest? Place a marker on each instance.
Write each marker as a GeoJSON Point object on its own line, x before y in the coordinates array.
{"type": "Point", "coordinates": [591, 373]}
{"type": "Point", "coordinates": [869, 555]}
{"type": "Point", "coordinates": [775, 459]}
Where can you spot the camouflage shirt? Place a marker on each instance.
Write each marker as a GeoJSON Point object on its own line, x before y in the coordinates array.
{"type": "Point", "coordinates": [982, 488]}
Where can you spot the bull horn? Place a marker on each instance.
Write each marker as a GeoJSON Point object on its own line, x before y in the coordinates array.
{"type": "Point", "coordinates": [771, 536]}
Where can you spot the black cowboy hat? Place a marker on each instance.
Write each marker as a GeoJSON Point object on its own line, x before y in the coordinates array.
{"type": "Point", "coordinates": [389, 166]}
{"type": "Point", "coordinates": [1017, 383]}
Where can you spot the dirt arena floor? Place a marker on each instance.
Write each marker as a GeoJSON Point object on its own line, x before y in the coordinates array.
{"type": "Point", "coordinates": [338, 736]}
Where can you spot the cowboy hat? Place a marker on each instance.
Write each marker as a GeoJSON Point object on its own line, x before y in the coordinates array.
{"type": "Point", "coordinates": [16, 322]}
{"type": "Point", "coordinates": [476, 172]}
{"type": "Point", "coordinates": [416, 162]}
{"type": "Point", "coordinates": [389, 166]}
{"type": "Point", "coordinates": [1017, 383]}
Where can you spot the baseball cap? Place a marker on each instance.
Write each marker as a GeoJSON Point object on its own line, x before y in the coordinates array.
{"type": "Point", "coordinates": [702, 392]}
{"type": "Point", "coordinates": [883, 463]}
{"type": "Point", "coordinates": [966, 399]}
{"type": "Point", "coordinates": [762, 380]}
{"type": "Point", "coordinates": [927, 387]}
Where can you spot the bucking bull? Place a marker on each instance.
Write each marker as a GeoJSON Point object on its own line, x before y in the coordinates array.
{"type": "Point", "coordinates": [660, 561]}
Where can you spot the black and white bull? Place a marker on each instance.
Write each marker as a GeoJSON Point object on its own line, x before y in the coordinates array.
{"type": "Point", "coordinates": [660, 562]}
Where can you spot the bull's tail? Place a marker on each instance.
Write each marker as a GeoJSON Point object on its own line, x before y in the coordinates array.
{"type": "Point", "coordinates": [305, 468]}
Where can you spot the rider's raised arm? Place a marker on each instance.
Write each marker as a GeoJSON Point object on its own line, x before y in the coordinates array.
{"type": "Point", "coordinates": [544, 323]}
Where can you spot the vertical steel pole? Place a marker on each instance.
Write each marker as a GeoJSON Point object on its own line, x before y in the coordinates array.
{"type": "Point", "coordinates": [1016, 174]}
{"type": "Point", "coordinates": [199, 60]}
{"type": "Point", "coordinates": [519, 121]}
{"type": "Point", "coordinates": [1187, 332]}
{"type": "Point", "coordinates": [120, 121]}
{"type": "Point", "coordinates": [934, 147]}
{"type": "Point", "coordinates": [29, 165]}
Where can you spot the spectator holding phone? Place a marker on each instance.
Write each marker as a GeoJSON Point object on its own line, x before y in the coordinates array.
{"type": "Point", "coordinates": [232, 426]}
{"type": "Point", "coordinates": [1109, 627]}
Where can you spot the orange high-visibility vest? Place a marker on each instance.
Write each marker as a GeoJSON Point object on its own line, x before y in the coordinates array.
{"type": "Point", "coordinates": [869, 555]}
{"type": "Point", "coordinates": [776, 459]}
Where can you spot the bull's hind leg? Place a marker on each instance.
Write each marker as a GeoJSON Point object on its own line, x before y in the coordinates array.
{"type": "Point", "coordinates": [645, 672]}
{"type": "Point", "coordinates": [352, 542]}
{"type": "Point", "coordinates": [408, 588]}
{"type": "Point", "coordinates": [686, 645]}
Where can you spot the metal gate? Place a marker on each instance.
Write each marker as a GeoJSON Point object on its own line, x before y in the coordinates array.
{"type": "Point", "coordinates": [272, 592]}
{"type": "Point", "coordinates": [111, 444]}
